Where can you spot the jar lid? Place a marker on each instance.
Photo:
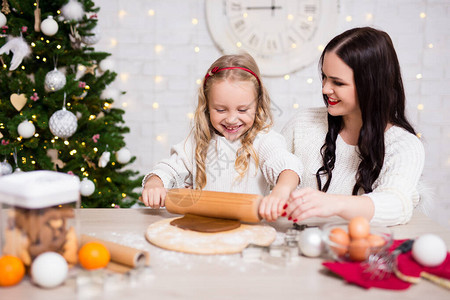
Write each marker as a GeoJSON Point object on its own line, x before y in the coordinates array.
{"type": "Point", "coordinates": [38, 189]}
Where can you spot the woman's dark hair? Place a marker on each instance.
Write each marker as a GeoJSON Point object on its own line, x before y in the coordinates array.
{"type": "Point", "coordinates": [379, 87]}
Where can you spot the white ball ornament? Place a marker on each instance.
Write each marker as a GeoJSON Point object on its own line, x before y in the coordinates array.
{"type": "Point", "coordinates": [49, 26]}
{"type": "Point", "coordinates": [429, 250]}
{"type": "Point", "coordinates": [310, 242]}
{"type": "Point", "coordinates": [2, 20]}
{"type": "Point", "coordinates": [92, 39]}
{"type": "Point", "coordinates": [26, 129]}
{"type": "Point", "coordinates": [5, 168]}
{"type": "Point", "coordinates": [54, 80]}
{"type": "Point", "coordinates": [123, 156]}
{"type": "Point", "coordinates": [107, 65]}
{"type": "Point", "coordinates": [63, 123]}
{"type": "Point", "coordinates": [73, 10]}
{"type": "Point", "coordinates": [87, 187]}
{"type": "Point", "coordinates": [49, 270]}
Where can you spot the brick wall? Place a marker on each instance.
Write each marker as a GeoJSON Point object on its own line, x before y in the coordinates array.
{"type": "Point", "coordinates": [152, 45]}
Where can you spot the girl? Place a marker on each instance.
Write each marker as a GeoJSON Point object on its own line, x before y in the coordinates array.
{"type": "Point", "coordinates": [361, 155]}
{"type": "Point", "coordinates": [231, 147]}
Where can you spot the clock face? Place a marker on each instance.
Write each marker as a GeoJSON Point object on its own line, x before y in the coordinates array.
{"type": "Point", "coordinates": [282, 35]}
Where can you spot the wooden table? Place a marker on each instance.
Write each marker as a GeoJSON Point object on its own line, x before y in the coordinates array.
{"type": "Point", "coordinates": [174, 275]}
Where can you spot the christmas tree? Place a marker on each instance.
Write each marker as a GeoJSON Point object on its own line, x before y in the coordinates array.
{"type": "Point", "coordinates": [56, 108]}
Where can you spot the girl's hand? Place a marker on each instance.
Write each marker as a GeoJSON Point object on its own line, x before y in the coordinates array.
{"type": "Point", "coordinates": [154, 193]}
{"type": "Point", "coordinates": [307, 202]}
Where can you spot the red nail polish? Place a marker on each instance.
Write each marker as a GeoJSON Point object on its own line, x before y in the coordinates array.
{"type": "Point", "coordinates": [295, 220]}
{"type": "Point", "coordinates": [285, 206]}
{"type": "Point", "coordinates": [284, 214]}
{"type": "Point", "coordinates": [290, 218]}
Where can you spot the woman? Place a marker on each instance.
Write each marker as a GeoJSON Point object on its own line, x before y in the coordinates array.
{"type": "Point", "coordinates": [360, 154]}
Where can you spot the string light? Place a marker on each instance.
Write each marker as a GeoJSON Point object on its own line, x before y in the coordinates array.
{"type": "Point", "coordinates": [239, 44]}
{"type": "Point", "coordinates": [309, 80]}
{"type": "Point", "coordinates": [113, 42]}
{"type": "Point", "coordinates": [155, 105]}
{"type": "Point", "coordinates": [295, 106]}
{"type": "Point", "coordinates": [287, 77]}
{"type": "Point", "coordinates": [190, 116]}
{"type": "Point", "coordinates": [423, 15]}
{"type": "Point", "coordinates": [348, 18]}
{"type": "Point", "coordinates": [124, 77]}
{"type": "Point", "coordinates": [194, 21]}
{"type": "Point", "coordinates": [419, 76]}
{"type": "Point", "coordinates": [198, 81]}
{"type": "Point", "coordinates": [158, 48]}
{"type": "Point", "coordinates": [158, 79]}
{"type": "Point", "coordinates": [122, 13]}
{"type": "Point", "coordinates": [197, 49]}
{"type": "Point", "coordinates": [320, 48]}
{"type": "Point", "coordinates": [369, 17]}
{"type": "Point", "coordinates": [420, 107]}
{"type": "Point", "coordinates": [66, 143]}
{"type": "Point", "coordinates": [151, 12]}
{"type": "Point", "coordinates": [290, 17]}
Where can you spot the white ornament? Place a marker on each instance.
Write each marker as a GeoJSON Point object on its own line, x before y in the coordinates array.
{"type": "Point", "coordinates": [310, 242]}
{"type": "Point", "coordinates": [55, 80]}
{"type": "Point", "coordinates": [87, 187]}
{"type": "Point", "coordinates": [107, 65]}
{"type": "Point", "coordinates": [104, 159]}
{"type": "Point", "coordinates": [73, 10]}
{"type": "Point", "coordinates": [63, 123]}
{"type": "Point", "coordinates": [123, 156]}
{"type": "Point", "coordinates": [26, 129]}
{"type": "Point", "coordinates": [2, 20]}
{"type": "Point", "coordinates": [5, 168]}
{"type": "Point", "coordinates": [109, 93]}
{"type": "Point", "coordinates": [20, 49]}
{"type": "Point", "coordinates": [49, 26]}
{"type": "Point", "coordinates": [49, 270]}
{"type": "Point", "coordinates": [429, 250]}
{"type": "Point", "coordinates": [92, 39]}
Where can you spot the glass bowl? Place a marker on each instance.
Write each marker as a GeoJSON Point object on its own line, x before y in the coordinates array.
{"type": "Point", "coordinates": [340, 247]}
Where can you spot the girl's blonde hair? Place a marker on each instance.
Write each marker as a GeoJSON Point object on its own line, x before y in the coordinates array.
{"type": "Point", "coordinates": [203, 130]}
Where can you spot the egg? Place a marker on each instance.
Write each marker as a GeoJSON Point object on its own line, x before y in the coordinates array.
{"type": "Point", "coordinates": [359, 228]}
{"type": "Point", "coordinates": [49, 270]}
{"type": "Point", "coordinates": [376, 241]}
{"type": "Point", "coordinates": [429, 250]}
{"type": "Point", "coordinates": [359, 249]}
{"type": "Point", "coordinates": [341, 238]}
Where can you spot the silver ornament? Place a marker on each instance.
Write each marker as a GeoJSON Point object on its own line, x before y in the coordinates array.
{"type": "Point", "coordinates": [63, 123]}
{"type": "Point", "coordinates": [92, 39]}
{"type": "Point", "coordinates": [55, 80]}
{"type": "Point", "coordinates": [310, 242]}
{"type": "Point", "coordinates": [5, 168]}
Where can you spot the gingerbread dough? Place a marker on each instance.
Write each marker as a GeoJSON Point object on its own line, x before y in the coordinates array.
{"type": "Point", "coordinates": [205, 224]}
{"type": "Point", "coordinates": [170, 237]}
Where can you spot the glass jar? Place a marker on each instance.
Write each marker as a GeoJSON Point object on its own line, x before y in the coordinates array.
{"type": "Point", "coordinates": [38, 214]}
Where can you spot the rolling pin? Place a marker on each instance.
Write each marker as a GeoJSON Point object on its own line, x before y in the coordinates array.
{"type": "Point", "coordinates": [237, 206]}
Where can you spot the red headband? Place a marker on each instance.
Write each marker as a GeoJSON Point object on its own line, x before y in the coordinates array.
{"type": "Point", "coordinates": [217, 69]}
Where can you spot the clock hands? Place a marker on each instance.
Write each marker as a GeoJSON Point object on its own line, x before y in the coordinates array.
{"type": "Point", "coordinates": [272, 7]}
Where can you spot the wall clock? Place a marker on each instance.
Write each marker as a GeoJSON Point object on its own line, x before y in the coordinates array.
{"type": "Point", "coordinates": [282, 35]}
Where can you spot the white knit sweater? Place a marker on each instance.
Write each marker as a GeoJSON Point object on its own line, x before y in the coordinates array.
{"type": "Point", "coordinates": [178, 171]}
{"type": "Point", "coordinates": [395, 191]}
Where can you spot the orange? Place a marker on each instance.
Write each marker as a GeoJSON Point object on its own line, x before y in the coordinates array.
{"type": "Point", "coordinates": [93, 255]}
{"type": "Point", "coordinates": [12, 270]}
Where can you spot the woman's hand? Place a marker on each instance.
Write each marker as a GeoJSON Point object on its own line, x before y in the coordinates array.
{"type": "Point", "coordinates": [154, 192]}
{"type": "Point", "coordinates": [307, 202]}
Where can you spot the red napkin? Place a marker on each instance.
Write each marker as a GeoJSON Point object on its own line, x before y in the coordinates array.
{"type": "Point", "coordinates": [353, 272]}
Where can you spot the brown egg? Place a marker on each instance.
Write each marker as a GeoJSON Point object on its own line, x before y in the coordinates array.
{"type": "Point", "coordinates": [340, 237]}
{"type": "Point", "coordinates": [376, 240]}
{"type": "Point", "coordinates": [358, 228]}
{"type": "Point", "coordinates": [359, 249]}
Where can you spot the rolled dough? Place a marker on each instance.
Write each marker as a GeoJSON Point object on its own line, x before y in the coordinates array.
{"type": "Point", "coordinates": [205, 224]}
{"type": "Point", "coordinates": [170, 237]}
